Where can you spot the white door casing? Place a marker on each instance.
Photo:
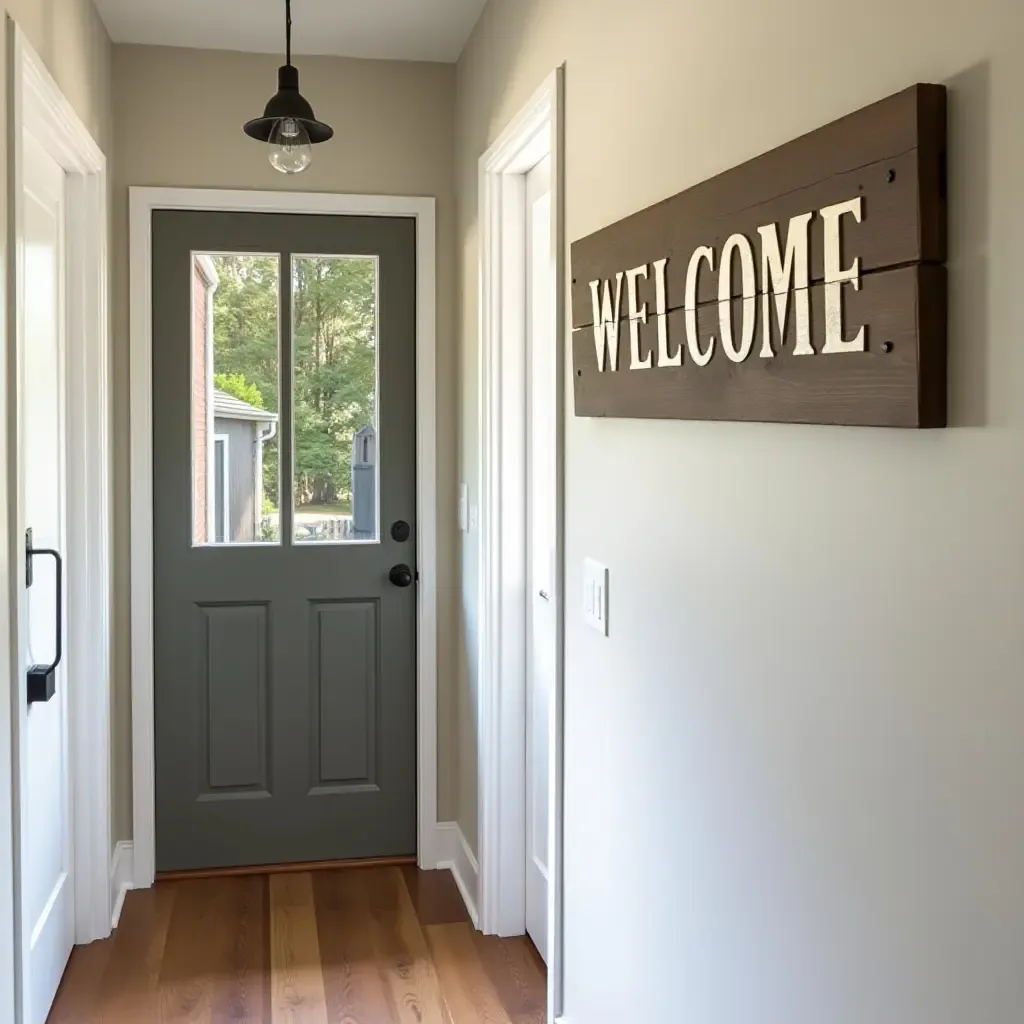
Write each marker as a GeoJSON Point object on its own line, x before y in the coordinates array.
{"type": "Point", "coordinates": [505, 609]}
{"type": "Point", "coordinates": [541, 540]}
{"type": "Point", "coordinates": [47, 869]}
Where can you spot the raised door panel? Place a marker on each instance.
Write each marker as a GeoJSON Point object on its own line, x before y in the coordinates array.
{"type": "Point", "coordinates": [344, 661]}
{"type": "Point", "coordinates": [233, 647]}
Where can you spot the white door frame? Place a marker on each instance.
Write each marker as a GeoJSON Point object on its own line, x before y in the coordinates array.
{"type": "Point", "coordinates": [535, 133]}
{"type": "Point", "coordinates": [39, 106]}
{"type": "Point", "coordinates": [142, 203]}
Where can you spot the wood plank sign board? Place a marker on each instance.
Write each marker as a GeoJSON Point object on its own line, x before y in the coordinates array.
{"type": "Point", "coordinates": [805, 286]}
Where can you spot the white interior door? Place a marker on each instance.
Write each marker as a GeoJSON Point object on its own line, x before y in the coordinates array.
{"type": "Point", "coordinates": [46, 892]}
{"type": "Point", "coordinates": [542, 622]}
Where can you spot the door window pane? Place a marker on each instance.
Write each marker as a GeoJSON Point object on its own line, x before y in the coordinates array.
{"type": "Point", "coordinates": [235, 392]}
{"type": "Point", "coordinates": [335, 395]}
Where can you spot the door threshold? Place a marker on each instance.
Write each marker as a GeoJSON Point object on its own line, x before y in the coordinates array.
{"type": "Point", "coordinates": [283, 869]}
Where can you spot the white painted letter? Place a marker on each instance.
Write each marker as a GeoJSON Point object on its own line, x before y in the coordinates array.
{"type": "Point", "coordinates": [740, 244]}
{"type": "Point", "coordinates": [606, 321]}
{"type": "Point", "coordinates": [836, 276]}
{"type": "Point", "coordinates": [778, 278]}
{"type": "Point", "coordinates": [702, 252]}
{"type": "Point", "coordinates": [661, 290]}
{"type": "Point", "coordinates": [637, 316]}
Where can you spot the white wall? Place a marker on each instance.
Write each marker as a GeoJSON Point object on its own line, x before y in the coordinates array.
{"type": "Point", "coordinates": [793, 771]}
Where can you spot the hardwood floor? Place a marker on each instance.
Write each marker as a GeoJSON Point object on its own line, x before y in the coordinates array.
{"type": "Point", "coordinates": [382, 945]}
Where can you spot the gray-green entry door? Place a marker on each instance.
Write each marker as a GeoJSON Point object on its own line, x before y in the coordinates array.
{"type": "Point", "coordinates": [284, 440]}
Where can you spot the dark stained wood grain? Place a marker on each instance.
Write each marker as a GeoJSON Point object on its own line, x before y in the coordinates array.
{"type": "Point", "coordinates": [346, 947]}
{"type": "Point", "coordinates": [892, 156]}
{"type": "Point", "coordinates": [889, 235]}
{"type": "Point", "coordinates": [879, 387]}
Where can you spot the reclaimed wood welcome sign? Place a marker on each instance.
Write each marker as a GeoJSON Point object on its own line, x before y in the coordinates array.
{"type": "Point", "coordinates": [806, 286]}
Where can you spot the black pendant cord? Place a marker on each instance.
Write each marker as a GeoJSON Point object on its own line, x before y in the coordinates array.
{"type": "Point", "coordinates": [288, 29]}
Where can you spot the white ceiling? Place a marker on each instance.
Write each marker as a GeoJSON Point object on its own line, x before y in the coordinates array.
{"type": "Point", "coordinates": [391, 29]}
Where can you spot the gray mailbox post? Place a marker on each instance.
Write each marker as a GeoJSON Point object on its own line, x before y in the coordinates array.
{"type": "Point", "coordinates": [364, 484]}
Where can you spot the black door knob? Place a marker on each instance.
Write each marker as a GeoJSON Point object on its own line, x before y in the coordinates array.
{"type": "Point", "coordinates": [401, 576]}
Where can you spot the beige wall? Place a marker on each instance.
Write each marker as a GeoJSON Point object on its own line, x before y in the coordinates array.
{"type": "Point", "coordinates": [793, 770]}
{"type": "Point", "coordinates": [72, 41]}
{"type": "Point", "coordinates": [179, 115]}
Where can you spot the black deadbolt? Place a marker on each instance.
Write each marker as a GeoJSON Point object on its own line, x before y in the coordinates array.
{"type": "Point", "coordinates": [401, 576]}
{"type": "Point", "coordinates": [401, 531]}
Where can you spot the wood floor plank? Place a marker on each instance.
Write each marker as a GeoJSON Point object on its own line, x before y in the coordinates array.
{"type": "Point", "coordinates": [338, 947]}
{"type": "Point", "coordinates": [297, 984]}
{"type": "Point", "coordinates": [198, 975]}
{"type": "Point", "coordinates": [244, 992]}
{"type": "Point", "coordinates": [468, 991]}
{"type": "Point", "coordinates": [82, 985]}
{"type": "Point", "coordinates": [354, 984]}
{"type": "Point", "coordinates": [130, 989]}
{"type": "Point", "coordinates": [402, 952]}
{"type": "Point", "coordinates": [435, 896]}
{"type": "Point", "coordinates": [513, 967]}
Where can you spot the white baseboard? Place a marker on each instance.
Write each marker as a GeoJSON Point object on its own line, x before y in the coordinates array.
{"type": "Point", "coordinates": [454, 854]}
{"type": "Point", "coordinates": [122, 872]}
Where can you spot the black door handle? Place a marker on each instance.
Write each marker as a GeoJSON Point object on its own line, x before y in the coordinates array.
{"type": "Point", "coordinates": [42, 679]}
{"type": "Point", "coordinates": [401, 576]}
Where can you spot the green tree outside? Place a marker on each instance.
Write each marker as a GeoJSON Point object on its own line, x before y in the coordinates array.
{"type": "Point", "coordinates": [335, 361]}
{"type": "Point", "coordinates": [236, 385]}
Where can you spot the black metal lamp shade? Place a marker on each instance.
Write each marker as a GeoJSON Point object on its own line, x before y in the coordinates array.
{"type": "Point", "coordinates": [288, 102]}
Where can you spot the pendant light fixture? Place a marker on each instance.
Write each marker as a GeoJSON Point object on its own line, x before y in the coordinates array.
{"type": "Point", "coordinates": [288, 124]}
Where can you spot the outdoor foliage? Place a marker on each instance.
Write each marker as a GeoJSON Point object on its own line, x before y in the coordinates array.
{"type": "Point", "coordinates": [334, 315]}
{"type": "Point", "coordinates": [236, 385]}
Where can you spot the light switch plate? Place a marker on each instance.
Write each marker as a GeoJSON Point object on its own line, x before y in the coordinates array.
{"type": "Point", "coordinates": [595, 595]}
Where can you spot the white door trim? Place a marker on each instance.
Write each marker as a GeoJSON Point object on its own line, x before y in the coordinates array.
{"type": "Point", "coordinates": [142, 203]}
{"type": "Point", "coordinates": [39, 106]}
{"type": "Point", "coordinates": [535, 133]}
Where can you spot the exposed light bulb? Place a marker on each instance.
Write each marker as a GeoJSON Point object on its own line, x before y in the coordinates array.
{"type": "Point", "coordinates": [290, 151]}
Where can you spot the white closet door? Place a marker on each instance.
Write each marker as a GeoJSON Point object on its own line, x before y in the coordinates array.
{"type": "Point", "coordinates": [47, 884]}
